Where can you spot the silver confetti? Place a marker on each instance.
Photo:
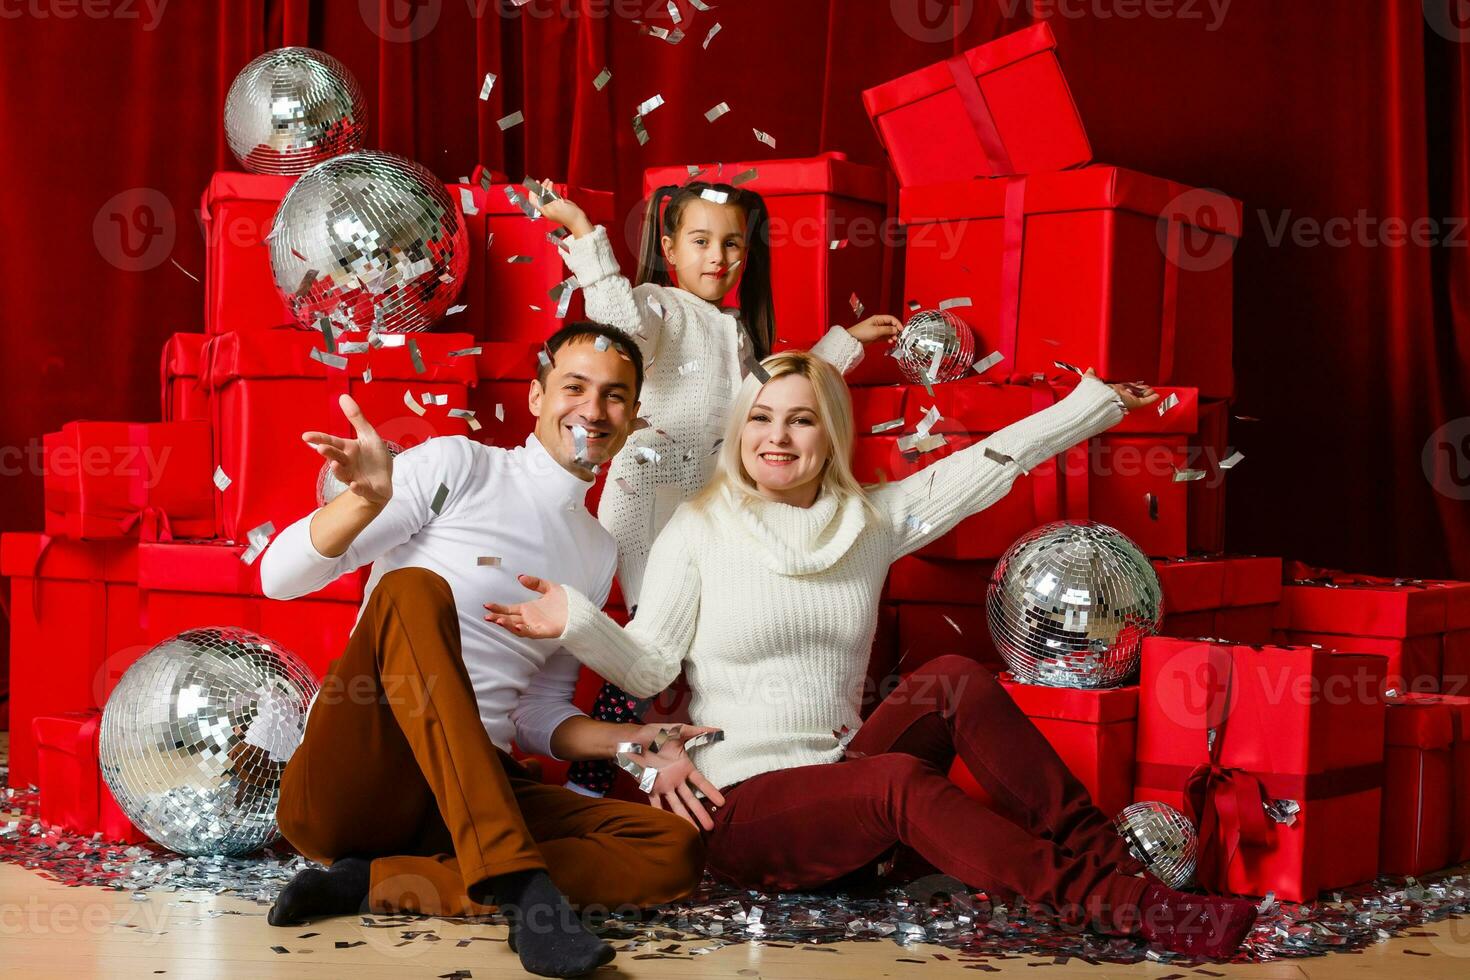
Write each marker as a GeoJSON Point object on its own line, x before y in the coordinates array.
{"type": "Point", "coordinates": [330, 360]}
{"type": "Point", "coordinates": [714, 196]}
{"type": "Point", "coordinates": [514, 119]}
{"type": "Point", "coordinates": [765, 138]}
{"type": "Point", "coordinates": [716, 112]}
{"type": "Point", "coordinates": [888, 426]}
{"type": "Point", "coordinates": [221, 481]}
{"type": "Point", "coordinates": [649, 104]}
{"type": "Point", "coordinates": [1169, 402]}
{"type": "Point", "coordinates": [687, 368]}
{"type": "Point", "coordinates": [626, 487]}
{"type": "Point", "coordinates": [486, 561]}
{"type": "Point", "coordinates": [744, 176]}
{"type": "Point", "coordinates": [1231, 461]}
{"type": "Point", "coordinates": [954, 301]}
{"type": "Point", "coordinates": [710, 36]}
{"type": "Point", "coordinates": [518, 260]}
{"type": "Point", "coordinates": [440, 495]}
{"type": "Point", "coordinates": [1067, 367]}
{"type": "Point", "coordinates": [466, 352]}
{"type": "Point", "coordinates": [579, 446]}
{"type": "Point", "coordinates": [415, 356]}
{"type": "Point", "coordinates": [603, 77]}
{"type": "Point", "coordinates": [1186, 476]}
{"type": "Point", "coordinates": [645, 454]}
{"type": "Point", "coordinates": [988, 361]}
{"type": "Point", "coordinates": [485, 88]}
{"type": "Point", "coordinates": [856, 306]}
{"type": "Point", "coordinates": [997, 457]}
{"type": "Point", "coordinates": [413, 405]}
{"type": "Point", "coordinates": [468, 415]}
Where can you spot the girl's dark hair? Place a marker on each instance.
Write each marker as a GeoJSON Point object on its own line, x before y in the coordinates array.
{"type": "Point", "coordinates": [757, 308]}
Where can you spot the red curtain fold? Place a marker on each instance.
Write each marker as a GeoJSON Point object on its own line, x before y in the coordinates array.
{"type": "Point", "coordinates": [1352, 357]}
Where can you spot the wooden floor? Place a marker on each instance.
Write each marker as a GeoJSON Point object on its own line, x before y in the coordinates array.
{"type": "Point", "coordinates": [49, 930]}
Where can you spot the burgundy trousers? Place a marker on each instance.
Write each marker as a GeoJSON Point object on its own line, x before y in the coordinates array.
{"type": "Point", "coordinates": [1043, 839]}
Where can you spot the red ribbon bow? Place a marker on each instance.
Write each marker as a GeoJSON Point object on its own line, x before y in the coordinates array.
{"type": "Point", "coordinates": [1228, 806]}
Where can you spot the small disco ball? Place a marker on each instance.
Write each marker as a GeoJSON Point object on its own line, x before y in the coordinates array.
{"type": "Point", "coordinates": [329, 488]}
{"type": "Point", "coordinates": [934, 345]}
{"type": "Point", "coordinates": [368, 241]}
{"type": "Point", "coordinates": [292, 108]}
{"type": "Point", "coordinates": [1070, 603]}
{"type": "Point", "coordinates": [1162, 838]}
{"type": "Point", "coordinates": [196, 735]}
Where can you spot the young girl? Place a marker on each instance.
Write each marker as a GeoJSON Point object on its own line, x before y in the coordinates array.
{"type": "Point", "coordinates": [699, 240]}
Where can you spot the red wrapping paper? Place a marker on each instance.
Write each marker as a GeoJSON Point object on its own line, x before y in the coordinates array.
{"type": "Point", "coordinates": [73, 613]}
{"type": "Point", "coordinates": [1291, 723]}
{"type": "Point", "coordinates": [189, 585]}
{"type": "Point", "coordinates": [1367, 605]}
{"type": "Point", "coordinates": [957, 581]}
{"type": "Point", "coordinates": [500, 294]}
{"type": "Point", "coordinates": [265, 390]}
{"type": "Point", "coordinates": [183, 397]}
{"type": "Point", "coordinates": [1227, 597]}
{"type": "Point", "coordinates": [1418, 786]}
{"type": "Point", "coordinates": [1000, 108]}
{"type": "Point", "coordinates": [875, 405]}
{"type": "Point", "coordinates": [813, 202]}
{"type": "Point", "coordinates": [505, 371]}
{"type": "Point", "coordinates": [1455, 664]}
{"type": "Point", "coordinates": [73, 792]}
{"type": "Point", "coordinates": [1460, 758]}
{"type": "Point", "coordinates": [124, 479]}
{"type": "Point", "coordinates": [1075, 266]}
{"type": "Point", "coordinates": [1414, 664]}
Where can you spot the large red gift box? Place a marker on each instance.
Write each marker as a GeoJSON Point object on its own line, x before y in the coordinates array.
{"type": "Point", "coordinates": [266, 390]}
{"type": "Point", "coordinates": [1414, 663]}
{"type": "Point", "coordinates": [829, 236]}
{"type": "Point", "coordinates": [73, 793]}
{"type": "Point", "coordinates": [1229, 597]}
{"type": "Point", "coordinates": [508, 300]}
{"type": "Point", "coordinates": [1225, 729]}
{"type": "Point", "coordinates": [933, 629]}
{"type": "Point", "coordinates": [958, 581]}
{"type": "Point", "coordinates": [500, 398]}
{"type": "Point", "coordinates": [1001, 108]}
{"type": "Point", "coordinates": [122, 479]}
{"type": "Point", "coordinates": [73, 611]}
{"type": "Point", "coordinates": [970, 410]}
{"type": "Point", "coordinates": [186, 585]}
{"type": "Point", "coordinates": [183, 397]}
{"type": "Point", "coordinates": [1419, 784]}
{"type": "Point", "coordinates": [1088, 267]}
{"type": "Point", "coordinates": [873, 406]}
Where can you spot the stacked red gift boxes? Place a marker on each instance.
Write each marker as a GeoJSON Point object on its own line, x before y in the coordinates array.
{"type": "Point", "coordinates": [1050, 259]}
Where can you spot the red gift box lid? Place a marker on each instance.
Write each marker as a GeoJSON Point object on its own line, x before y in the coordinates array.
{"type": "Point", "coordinates": [1218, 582]}
{"type": "Point", "coordinates": [1086, 189]}
{"type": "Point", "coordinates": [181, 355]}
{"type": "Point", "coordinates": [232, 185]}
{"type": "Point", "coordinates": [216, 568]}
{"type": "Point", "coordinates": [260, 354]}
{"type": "Point", "coordinates": [506, 361]}
{"type": "Point", "coordinates": [1420, 721]}
{"type": "Point", "coordinates": [973, 405]}
{"type": "Point", "coordinates": [26, 554]}
{"type": "Point", "coordinates": [1095, 707]}
{"type": "Point", "coordinates": [826, 173]}
{"type": "Point", "coordinates": [1365, 610]}
{"type": "Point", "coordinates": [71, 732]}
{"type": "Point", "coordinates": [983, 59]}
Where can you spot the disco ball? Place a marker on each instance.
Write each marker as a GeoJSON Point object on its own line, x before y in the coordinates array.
{"type": "Point", "coordinates": [329, 488]}
{"type": "Point", "coordinates": [292, 108]}
{"type": "Point", "coordinates": [934, 345]}
{"type": "Point", "coordinates": [1162, 838]}
{"type": "Point", "coordinates": [196, 734]}
{"type": "Point", "coordinates": [1070, 603]}
{"type": "Point", "coordinates": [368, 241]}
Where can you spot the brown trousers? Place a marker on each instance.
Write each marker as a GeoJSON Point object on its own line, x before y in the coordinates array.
{"type": "Point", "coordinates": [396, 766]}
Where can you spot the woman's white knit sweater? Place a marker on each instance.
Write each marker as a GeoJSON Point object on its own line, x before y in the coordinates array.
{"type": "Point", "coordinates": [773, 606]}
{"type": "Point", "coordinates": [696, 355]}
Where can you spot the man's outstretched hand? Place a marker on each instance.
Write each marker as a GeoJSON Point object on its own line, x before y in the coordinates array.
{"type": "Point", "coordinates": [364, 463]}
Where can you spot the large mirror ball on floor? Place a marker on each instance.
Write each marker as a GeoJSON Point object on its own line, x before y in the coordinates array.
{"type": "Point", "coordinates": [1070, 603]}
{"type": "Point", "coordinates": [196, 735]}
{"type": "Point", "coordinates": [292, 108]}
{"type": "Point", "coordinates": [368, 241]}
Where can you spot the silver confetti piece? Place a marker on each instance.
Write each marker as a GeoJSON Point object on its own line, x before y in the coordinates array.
{"type": "Point", "coordinates": [518, 260]}
{"type": "Point", "coordinates": [603, 77]}
{"type": "Point", "coordinates": [413, 405]}
{"type": "Point", "coordinates": [499, 412]}
{"type": "Point", "coordinates": [517, 200]}
{"type": "Point", "coordinates": [221, 481]}
{"type": "Point", "coordinates": [543, 358]}
{"type": "Point", "coordinates": [306, 282]}
{"type": "Point", "coordinates": [1231, 461]}
{"type": "Point", "coordinates": [987, 362]}
{"type": "Point", "coordinates": [716, 112]}
{"type": "Point", "coordinates": [714, 196]}
{"type": "Point", "coordinates": [1186, 476]}
{"type": "Point", "coordinates": [1170, 400]}
{"type": "Point", "coordinates": [367, 376]}
{"type": "Point", "coordinates": [440, 495]}
{"type": "Point", "coordinates": [956, 626]}
{"type": "Point", "coordinates": [392, 340]}
{"type": "Point", "coordinates": [645, 454]}
{"type": "Point", "coordinates": [626, 487]}
{"type": "Point", "coordinates": [649, 104]}
{"type": "Point", "coordinates": [931, 418]}
{"type": "Point", "coordinates": [765, 138]}
{"type": "Point", "coordinates": [838, 243]}
{"type": "Point", "coordinates": [710, 36]}
{"type": "Point", "coordinates": [468, 415]}
{"type": "Point", "coordinates": [639, 130]}
{"type": "Point", "coordinates": [856, 306]}
{"type": "Point", "coordinates": [997, 457]}
{"type": "Point", "coordinates": [562, 293]}
{"type": "Point", "coordinates": [416, 357]}
{"type": "Point", "coordinates": [656, 307]}
{"type": "Point", "coordinates": [183, 270]}
{"type": "Point", "coordinates": [888, 426]}
{"type": "Point", "coordinates": [329, 337]}
{"type": "Point", "coordinates": [744, 177]}
{"type": "Point", "coordinates": [455, 310]}
{"type": "Point", "coordinates": [488, 84]}
{"type": "Point", "coordinates": [674, 14]}
{"type": "Point", "coordinates": [700, 6]}
{"type": "Point", "coordinates": [514, 119]}
{"type": "Point", "coordinates": [601, 343]}
{"type": "Point", "coordinates": [467, 201]}
{"type": "Point", "coordinates": [687, 368]}
{"type": "Point", "coordinates": [1067, 367]}
{"type": "Point", "coordinates": [330, 360]}
{"type": "Point", "coordinates": [579, 446]}
{"type": "Point", "coordinates": [466, 352]}
{"type": "Point", "coordinates": [954, 301]}
{"type": "Point", "coordinates": [486, 561]}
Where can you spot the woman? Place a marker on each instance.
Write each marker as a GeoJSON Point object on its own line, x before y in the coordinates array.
{"type": "Point", "coordinates": [765, 590]}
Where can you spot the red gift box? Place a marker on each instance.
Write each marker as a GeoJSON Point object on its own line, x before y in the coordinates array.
{"type": "Point", "coordinates": [1288, 723]}
{"type": "Point", "coordinates": [1327, 601]}
{"type": "Point", "coordinates": [874, 406]}
{"type": "Point", "coordinates": [1001, 108]}
{"type": "Point", "coordinates": [958, 581]}
{"type": "Point", "coordinates": [122, 479]}
{"type": "Point", "coordinates": [1418, 785]}
{"type": "Point", "coordinates": [240, 292]}
{"type": "Point", "coordinates": [183, 395]}
{"type": "Point", "coordinates": [813, 202]}
{"type": "Point", "coordinates": [73, 793]}
{"type": "Point", "coordinates": [1225, 597]}
{"type": "Point", "coordinates": [1086, 266]}
{"type": "Point", "coordinates": [73, 610]}
{"type": "Point", "coordinates": [186, 585]}
{"type": "Point", "coordinates": [500, 399]}
{"type": "Point", "coordinates": [1455, 665]}
{"type": "Point", "coordinates": [510, 301]}
{"type": "Point", "coordinates": [1414, 662]}
{"type": "Point", "coordinates": [265, 390]}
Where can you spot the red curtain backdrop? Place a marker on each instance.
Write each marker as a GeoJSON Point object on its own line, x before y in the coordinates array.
{"type": "Point", "coordinates": [1351, 352]}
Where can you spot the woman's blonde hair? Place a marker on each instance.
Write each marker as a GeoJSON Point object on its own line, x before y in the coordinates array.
{"type": "Point", "coordinates": [833, 407]}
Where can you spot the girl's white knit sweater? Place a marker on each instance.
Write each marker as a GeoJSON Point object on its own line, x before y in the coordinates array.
{"type": "Point", "coordinates": [696, 355]}
{"type": "Point", "coordinates": [771, 608]}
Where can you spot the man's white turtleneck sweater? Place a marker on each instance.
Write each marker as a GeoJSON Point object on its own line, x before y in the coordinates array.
{"type": "Point", "coordinates": [771, 608]}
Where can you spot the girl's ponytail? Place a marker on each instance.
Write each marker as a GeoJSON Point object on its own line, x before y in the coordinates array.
{"type": "Point", "coordinates": [651, 265]}
{"type": "Point", "coordinates": [757, 305]}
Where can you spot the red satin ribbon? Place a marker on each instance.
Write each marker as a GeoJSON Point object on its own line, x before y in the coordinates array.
{"type": "Point", "coordinates": [1013, 241]}
{"type": "Point", "coordinates": [152, 522]}
{"type": "Point", "coordinates": [1228, 806]}
{"type": "Point", "coordinates": [1169, 323]}
{"type": "Point", "coordinates": [991, 141]}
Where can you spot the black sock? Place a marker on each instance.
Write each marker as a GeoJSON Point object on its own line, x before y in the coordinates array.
{"type": "Point", "coordinates": [545, 930]}
{"type": "Point", "coordinates": [341, 889]}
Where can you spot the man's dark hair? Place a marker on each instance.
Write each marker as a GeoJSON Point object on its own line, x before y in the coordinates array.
{"type": "Point", "coordinates": [587, 330]}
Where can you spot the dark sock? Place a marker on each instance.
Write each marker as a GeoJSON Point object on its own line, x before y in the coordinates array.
{"type": "Point", "coordinates": [545, 930]}
{"type": "Point", "coordinates": [1196, 925]}
{"type": "Point", "coordinates": [341, 889]}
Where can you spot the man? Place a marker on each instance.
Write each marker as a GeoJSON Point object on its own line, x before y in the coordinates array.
{"type": "Point", "coordinates": [403, 782]}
